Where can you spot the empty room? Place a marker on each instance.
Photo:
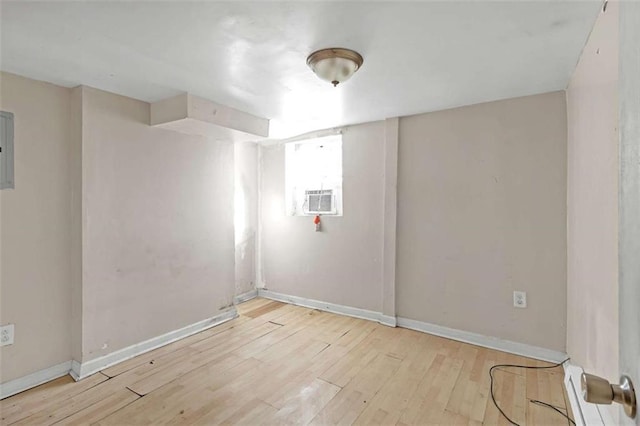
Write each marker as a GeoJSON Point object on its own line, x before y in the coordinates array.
{"type": "Point", "coordinates": [320, 212]}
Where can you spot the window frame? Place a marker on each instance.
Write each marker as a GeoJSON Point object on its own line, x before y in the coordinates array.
{"type": "Point", "coordinates": [296, 186]}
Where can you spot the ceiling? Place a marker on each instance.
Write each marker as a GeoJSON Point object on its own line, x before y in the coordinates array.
{"type": "Point", "coordinates": [418, 56]}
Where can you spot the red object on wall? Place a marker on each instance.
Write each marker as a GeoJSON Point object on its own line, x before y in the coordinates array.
{"type": "Point", "coordinates": [316, 220]}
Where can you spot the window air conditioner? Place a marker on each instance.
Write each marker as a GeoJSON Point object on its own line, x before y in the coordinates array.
{"type": "Point", "coordinates": [320, 201]}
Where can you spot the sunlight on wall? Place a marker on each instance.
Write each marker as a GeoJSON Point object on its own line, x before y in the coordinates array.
{"type": "Point", "coordinates": [239, 211]}
{"type": "Point", "coordinates": [304, 110]}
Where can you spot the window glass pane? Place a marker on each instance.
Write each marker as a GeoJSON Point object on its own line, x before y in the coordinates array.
{"type": "Point", "coordinates": [312, 166]}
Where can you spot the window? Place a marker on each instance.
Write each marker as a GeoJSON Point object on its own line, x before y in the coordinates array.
{"type": "Point", "coordinates": [6, 150]}
{"type": "Point", "coordinates": [313, 177]}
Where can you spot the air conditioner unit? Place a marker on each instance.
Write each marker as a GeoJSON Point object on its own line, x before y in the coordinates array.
{"type": "Point", "coordinates": [319, 201]}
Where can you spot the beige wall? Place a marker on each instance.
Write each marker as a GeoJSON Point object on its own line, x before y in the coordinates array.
{"type": "Point", "coordinates": [117, 232]}
{"type": "Point", "coordinates": [158, 245]}
{"type": "Point", "coordinates": [245, 214]}
{"type": "Point", "coordinates": [343, 263]}
{"type": "Point", "coordinates": [35, 229]}
{"type": "Point", "coordinates": [592, 202]}
{"type": "Point", "coordinates": [481, 213]}
{"type": "Point", "coordinates": [134, 224]}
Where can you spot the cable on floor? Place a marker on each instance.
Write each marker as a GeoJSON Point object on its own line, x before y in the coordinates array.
{"type": "Point", "coordinates": [535, 401]}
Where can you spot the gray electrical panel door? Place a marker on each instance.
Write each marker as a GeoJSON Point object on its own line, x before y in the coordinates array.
{"type": "Point", "coordinates": [6, 150]}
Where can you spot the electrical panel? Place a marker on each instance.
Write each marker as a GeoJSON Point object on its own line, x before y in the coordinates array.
{"type": "Point", "coordinates": [6, 150]}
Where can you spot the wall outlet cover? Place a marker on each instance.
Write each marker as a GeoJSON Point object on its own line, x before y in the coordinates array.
{"type": "Point", "coordinates": [520, 299]}
{"type": "Point", "coordinates": [6, 334]}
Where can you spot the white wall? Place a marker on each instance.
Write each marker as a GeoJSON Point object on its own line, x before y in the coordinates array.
{"type": "Point", "coordinates": [246, 214]}
{"type": "Point", "coordinates": [158, 243]}
{"type": "Point", "coordinates": [35, 229]}
{"type": "Point", "coordinates": [343, 263]}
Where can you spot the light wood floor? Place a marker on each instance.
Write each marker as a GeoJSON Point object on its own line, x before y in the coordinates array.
{"type": "Point", "coordinates": [283, 364]}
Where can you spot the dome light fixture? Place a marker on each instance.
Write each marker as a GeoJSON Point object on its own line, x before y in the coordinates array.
{"type": "Point", "coordinates": [335, 64]}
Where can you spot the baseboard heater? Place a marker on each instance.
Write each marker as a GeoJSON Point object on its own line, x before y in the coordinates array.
{"type": "Point", "coordinates": [584, 413]}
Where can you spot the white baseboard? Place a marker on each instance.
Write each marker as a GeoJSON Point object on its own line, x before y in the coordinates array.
{"type": "Point", "coordinates": [329, 307]}
{"type": "Point", "coordinates": [34, 379]}
{"type": "Point", "coordinates": [251, 294]}
{"type": "Point", "coordinates": [388, 320]}
{"type": "Point", "coordinates": [509, 346]}
{"type": "Point", "coordinates": [584, 413]}
{"type": "Point", "coordinates": [81, 370]}
{"type": "Point", "coordinates": [450, 333]}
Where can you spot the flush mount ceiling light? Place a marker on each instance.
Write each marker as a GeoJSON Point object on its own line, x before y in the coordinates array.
{"type": "Point", "coordinates": [335, 65]}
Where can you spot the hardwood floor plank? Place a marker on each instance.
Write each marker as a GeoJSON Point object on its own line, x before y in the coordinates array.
{"type": "Point", "coordinates": [379, 341]}
{"type": "Point", "coordinates": [286, 377]}
{"type": "Point", "coordinates": [292, 314]}
{"type": "Point", "coordinates": [387, 406]}
{"type": "Point", "coordinates": [288, 374]}
{"type": "Point", "coordinates": [183, 397]}
{"type": "Point", "coordinates": [66, 408]}
{"type": "Point", "coordinates": [237, 336]}
{"type": "Point", "coordinates": [214, 350]}
{"type": "Point", "coordinates": [252, 304]}
{"type": "Point", "coordinates": [357, 333]}
{"type": "Point", "coordinates": [463, 394]}
{"type": "Point", "coordinates": [13, 408]}
{"type": "Point", "coordinates": [285, 364]}
{"type": "Point", "coordinates": [433, 392]}
{"type": "Point", "coordinates": [285, 314]}
{"type": "Point", "coordinates": [274, 339]}
{"type": "Point", "coordinates": [358, 392]}
{"type": "Point", "coordinates": [556, 387]}
{"type": "Point", "coordinates": [304, 403]}
{"type": "Point", "coordinates": [100, 409]}
{"type": "Point", "coordinates": [254, 412]}
{"type": "Point", "coordinates": [217, 405]}
{"type": "Point", "coordinates": [344, 409]}
{"type": "Point", "coordinates": [519, 401]}
{"type": "Point", "coordinates": [254, 313]}
{"type": "Point", "coordinates": [349, 366]}
{"type": "Point", "coordinates": [168, 349]}
{"type": "Point", "coordinates": [46, 398]}
{"type": "Point", "coordinates": [164, 376]}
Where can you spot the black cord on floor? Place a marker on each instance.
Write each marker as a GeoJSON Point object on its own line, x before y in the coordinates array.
{"type": "Point", "coordinates": [535, 401]}
{"type": "Point", "coordinates": [493, 398]}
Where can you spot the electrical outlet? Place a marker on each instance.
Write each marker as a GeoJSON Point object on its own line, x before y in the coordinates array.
{"type": "Point", "coordinates": [6, 334]}
{"type": "Point", "coordinates": [520, 299]}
